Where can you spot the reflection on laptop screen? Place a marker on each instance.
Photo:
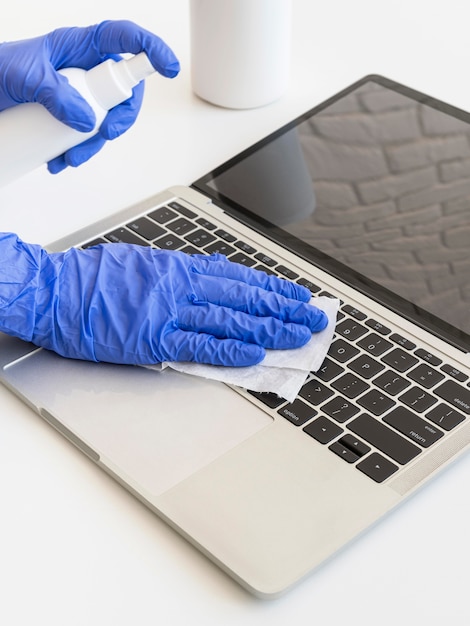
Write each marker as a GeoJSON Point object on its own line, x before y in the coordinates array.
{"type": "Point", "coordinates": [379, 182]}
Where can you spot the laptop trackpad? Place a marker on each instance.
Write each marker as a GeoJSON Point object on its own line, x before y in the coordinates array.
{"type": "Point", "coordinates": [153, 428]}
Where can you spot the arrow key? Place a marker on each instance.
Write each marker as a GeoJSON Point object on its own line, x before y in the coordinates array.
{"type": "Point", "coordinates": [343, 452]}
{"type": "Point", "coordinates": [377, 467]}
{"type": "Point", "coordinates": [323, 430]}
{"type": "Point", "coordinates": [358, 447]}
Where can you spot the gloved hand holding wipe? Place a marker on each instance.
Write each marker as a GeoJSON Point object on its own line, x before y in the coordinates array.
{"type": "Point", "coordinates": [130, 304]}
{"type": "Point", "coordinates": [124, 303]}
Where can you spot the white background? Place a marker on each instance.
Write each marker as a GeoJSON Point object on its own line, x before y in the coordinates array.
{"type": "Point", "coordinates": [75, 548]}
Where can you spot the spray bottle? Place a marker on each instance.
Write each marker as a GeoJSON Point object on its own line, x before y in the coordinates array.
{"type": "Point", "coordinates": [31, 136]}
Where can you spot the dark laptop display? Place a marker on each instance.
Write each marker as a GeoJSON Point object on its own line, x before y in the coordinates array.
{"type": "Point", "coordinates": [375, 188]}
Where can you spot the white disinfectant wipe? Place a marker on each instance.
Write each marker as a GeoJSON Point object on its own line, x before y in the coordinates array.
{"type": "Point", "coordinates": [30, 136]}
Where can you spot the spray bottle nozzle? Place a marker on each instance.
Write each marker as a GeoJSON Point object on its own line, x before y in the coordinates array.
{"type": "Point", "coordinates": [138, 67]}
{"type": "Point", "coordinates": [112, 81]}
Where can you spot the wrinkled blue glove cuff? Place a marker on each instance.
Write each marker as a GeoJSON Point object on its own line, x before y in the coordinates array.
{"type": "Point", "coordinates": [19, 281]}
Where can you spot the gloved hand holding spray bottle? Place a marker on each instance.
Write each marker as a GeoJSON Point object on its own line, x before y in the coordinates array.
{"type": "Point", "coordinates": [120, 303]}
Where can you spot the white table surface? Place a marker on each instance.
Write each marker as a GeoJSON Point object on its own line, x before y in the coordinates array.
{"type": "Point", "coordinates": [75, 548]}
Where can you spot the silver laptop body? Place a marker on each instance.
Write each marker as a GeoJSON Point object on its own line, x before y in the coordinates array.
{"type": "Point", "coordinates": [365, 198]}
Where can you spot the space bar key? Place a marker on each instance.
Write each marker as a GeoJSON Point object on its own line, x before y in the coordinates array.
{"type": "Point", "coordinates": [385, 439]}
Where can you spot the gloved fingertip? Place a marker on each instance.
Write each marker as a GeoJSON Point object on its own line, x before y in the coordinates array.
{"type": "Point", "coordinates": [70, 107]}
{"type": "Point", "coordinates": [117, 122]}
{"type": "Point", "coordinates": [302, 336]}
{"type": "Point", "coordinates": [73, 110]}
{"type": "Point", "coordinates": [56, 165]}
{"type": "Point", "coordinates": [320, 322]}
{"type": "Point", "coordinates": [81, 153]}
{"type": "Point", "coordinates": [77, 159]}
{"type": "Point", "coordinates": [163, 59]}
{"type": "Point", "coordinates": [303, 294]}
{"type": "Point", "coordinates": [83, 125]}
{"type": "Point", "coordinates": [112, 131]}
{"type": "Point", "coordinates": [171, 70]}
{"type": "Point", "coordinates": [248, 355]}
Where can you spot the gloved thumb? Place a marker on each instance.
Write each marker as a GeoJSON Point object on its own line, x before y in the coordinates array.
{"type": "Point", "coordinates": [65, 103]}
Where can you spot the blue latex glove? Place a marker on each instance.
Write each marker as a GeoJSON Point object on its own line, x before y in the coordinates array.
{"type": "Point", "coordinates": [28, 73]}
{"type": "Point", "coordinates": [130, 304]}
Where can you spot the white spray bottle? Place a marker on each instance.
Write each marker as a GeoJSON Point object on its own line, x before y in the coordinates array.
{"type": "Point", "coordinates": [30, 136]}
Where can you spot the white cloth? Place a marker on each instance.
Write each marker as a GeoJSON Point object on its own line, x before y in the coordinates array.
{"type": "Point", "coordinates": [282, 371]}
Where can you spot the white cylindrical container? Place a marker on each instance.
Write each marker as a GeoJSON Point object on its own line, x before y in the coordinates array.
{"type": "Point", "coordinates": [30, 136]}
{"type": "Point", "coordinates": [240, 51]}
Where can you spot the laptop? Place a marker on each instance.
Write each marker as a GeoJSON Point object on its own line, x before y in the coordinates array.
{"type": "Point", "coordinates": [364, 198]}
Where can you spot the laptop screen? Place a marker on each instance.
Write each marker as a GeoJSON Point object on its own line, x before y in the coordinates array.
{"type": "Point", "coordinates": [374, 187]}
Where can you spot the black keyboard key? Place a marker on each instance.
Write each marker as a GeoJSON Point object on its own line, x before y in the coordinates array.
{"type": "Point", "coordinates": [342, 351]}
{"type": "Point", "coordinates": [353, 312]}
{"type": "Point", "coordinates": [391, 382]}
{"type": "Point", "coordinates": [378, 327]}
{"type": "Point", "coordinates": [403, 341]}
{"type": "Point", "coordinates": [169, 242]}
{"type": "Point", "coordinates": [122, 235]}
{"type": "Point", "coordinates": [181, 226]}
{"type": "Point", "coordinates": [454, 372]}
{"type": "Point", "coordinates": [315, 392]}
{"type": "Point", "coordinates": [266, 270]}
{"type": "Point", "coordinates": [384, 439]}
{"type": "Point", "coordinates": [223, 234]}
{"type": "Point", "coordinates": [190, 250]}
{"type": "Point", "coordinates": [445, 417]}
{"type": "Point", "coordinates": [182, 209]}
{"type": "Point", "coordinates": [327, 294]}
{"type": "Point", "coordinates": [285, 271]}
{"type": "Point", "coordinates": [95, 242]}
{"type": "Point", "coordinates": [200, 238]}
{"type": "Point", "coordinates": [399, 360]}
{"type": "Point", "coordinates": [219, 247]}
{"type": "Point", "coordinates": [428, 357]}
{"type": "Point", "coordinates": [298, 412]}
{"type": "Point", "coordinates": [376, 402]}
{"type": "Point", "coordinates": [455, 394]}
{"type": "Point", "coordinates": [329, 370]}
{"type": "Point", "coordinates": [265, 259]}
{"type": "Point", "coordinates": [243, 259]}
{"type": "Point", "coordinates": [146, 228]}
{"type": "Point", "coordinates": [349, 385]}
{"type": "Point", "coordinates": [413, 427]}
{"type": "Point", "coordinates": [425, 376]}
{"type": "Point", "coordinates": [309, 285]}
{"type": "Point", "coordinates": [340, 409]}
{"type": "Point", "coordinates": [271, 400]}
{"type": "Point", "coordinates": [351, 329]}
{"type": "Point", "coordinates": [377, 467]}
{"type": "Point", "coordinates": [354, 444]}
{"type": "Point", "coordinates": [343, 452]}
{"type": "Point", "coordinates": [417, 399]}
{"type": "Point", "coordinates": [245, 247]}
{"type": "Point", "coordinates": [374, 344]}
{"type": "Point", "coordinates": [366, 366]}
{"type": "Point", "coordinates": [205, 223]}
{"type": "Point", "coordinates": [162, 215]}
{"type": "Point", "coordinates": [323, 430]}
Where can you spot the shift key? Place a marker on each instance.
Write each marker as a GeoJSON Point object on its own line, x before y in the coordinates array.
{"type": "Point", "coordinates": [455, 394]}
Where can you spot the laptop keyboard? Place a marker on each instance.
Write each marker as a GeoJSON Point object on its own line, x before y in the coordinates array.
{"type": "Point", "coordinates": [377, 402]}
